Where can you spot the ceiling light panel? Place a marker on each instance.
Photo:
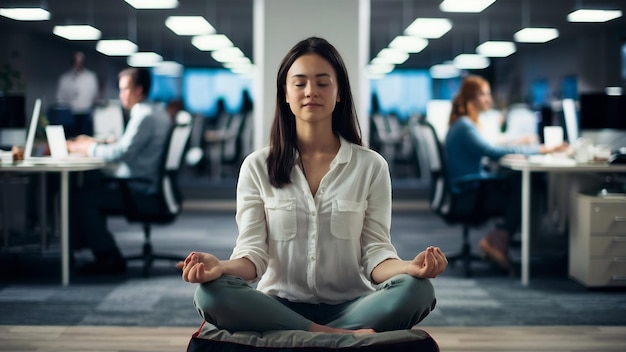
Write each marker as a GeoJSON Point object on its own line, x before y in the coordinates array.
{"type": "Point", "coordinates": [210, 42]}
{"type": "Point", "coordinates": [227, 54]}
{"type": "Point", "coordinates": [25, 13]}
{"type": "Point", "coordinates": [116, 47]}
{"type": "Point", "coordinates": [77, 32]}
{"type": "Point", "coordinates": [408, 43]}
{"type": "Point", "coordinates": [189, 25]}
{"type": "Point", "coordinates": [536, 35]}
{"type": "Point", "coordinates": [153, 4]}
{"type": "Point", "coordinates": [444, 71]}
{"type": "Point", "coordinates": [391, 56]}
{"type": "Point", "coordinates": [494, 48]}
{"type": "Point", "coordinates": [379, 69]}
{"type": "Point", "coordinates": [169, 68]}
{"type": "Point", "coordinates": [144, 59]}
{"type": "Point", "coordinates": [473, 6]}
{"type": "Point", "coordinates": [471, 62]}
{"type": "Point", "coordinates": [590, 15]}
{"type": "Point", "coordinates": [430, 28]}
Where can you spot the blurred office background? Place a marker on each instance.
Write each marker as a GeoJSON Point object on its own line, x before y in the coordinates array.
{"type": "Point", "coordinates": [581, 62]}
{"type": "Point", "coordinates": [572, 77]}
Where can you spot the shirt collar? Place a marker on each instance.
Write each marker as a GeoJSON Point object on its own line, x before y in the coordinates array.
{"type": "Point", "coordinates": [345, 152]}
{"type": "Point", "coordinates": [343, 155]}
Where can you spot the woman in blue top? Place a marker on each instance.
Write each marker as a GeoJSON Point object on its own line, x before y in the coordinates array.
{"type": "Point", "coordinates": [465, 149]}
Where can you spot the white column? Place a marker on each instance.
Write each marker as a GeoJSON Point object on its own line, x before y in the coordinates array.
{"type": "Point", "coordinates": [280, 24]}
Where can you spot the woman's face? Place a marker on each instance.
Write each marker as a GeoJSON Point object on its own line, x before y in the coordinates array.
{"type": "Point", "coordinates": [482, 101]}
{"type": "Point", "coordinates": [311, 88]}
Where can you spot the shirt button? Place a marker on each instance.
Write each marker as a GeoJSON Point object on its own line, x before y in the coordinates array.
{"type": "Point", "coordinates": [312, 258]}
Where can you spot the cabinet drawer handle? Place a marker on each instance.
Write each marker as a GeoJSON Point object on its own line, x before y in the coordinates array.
{"type": "Point", "coordinates": [619, 277]}
{"type": "Point", "coordinates": [619, 219]}
{"type": "Point", "coordinates": [619, 239]}
{"type": "Point", "coordinates": [619, 259]}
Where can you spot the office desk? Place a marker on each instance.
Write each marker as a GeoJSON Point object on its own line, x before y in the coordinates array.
{"type": "Point", "coordinates": [63, 168]}
{"type": "Point", "coordinates": [556, 166]}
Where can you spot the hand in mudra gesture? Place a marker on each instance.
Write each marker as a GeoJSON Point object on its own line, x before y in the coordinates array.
{"type": "Point", "coordinates": [200, 267]}
{"type": "Point", "coordinates": [428, 263]}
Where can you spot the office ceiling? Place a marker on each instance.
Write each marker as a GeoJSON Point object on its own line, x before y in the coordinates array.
{"type": "Point", "coordinates": [116, 19]}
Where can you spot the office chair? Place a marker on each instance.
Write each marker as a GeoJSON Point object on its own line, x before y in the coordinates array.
{"type": "Point", "coordinates": [453, 208]}
{"type": "Point", "coordinates": [164, 206]}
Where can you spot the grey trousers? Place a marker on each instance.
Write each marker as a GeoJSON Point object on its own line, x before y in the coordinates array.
{"type": "Point", "coordinates": [232, 304]}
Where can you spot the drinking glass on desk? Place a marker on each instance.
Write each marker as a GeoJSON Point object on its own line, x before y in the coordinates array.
{"type": "Point", "coordinates": [583, 150]}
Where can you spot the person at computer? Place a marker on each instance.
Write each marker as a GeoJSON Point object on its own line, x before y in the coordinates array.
{"type": "Point", "coordinates": [78, 88]}
{"type": "Point", "coordinates": [313, 213]}
{"type": "Point", "coordinates": [466, 147]}
{"type": "Point", "coordinates": [136, 154]}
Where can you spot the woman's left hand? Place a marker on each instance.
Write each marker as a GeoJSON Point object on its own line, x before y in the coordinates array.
{"type": "Point", "coordinates": [428, 264]}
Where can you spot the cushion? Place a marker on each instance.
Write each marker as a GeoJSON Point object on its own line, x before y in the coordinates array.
{"type": "Point", "coordinates": [210, 338]}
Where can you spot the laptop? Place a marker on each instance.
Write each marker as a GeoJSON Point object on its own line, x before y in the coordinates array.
{"type": "Point", "coordinates": [57, 143]}
{"type": "Point", "coordinates": [32, 130]}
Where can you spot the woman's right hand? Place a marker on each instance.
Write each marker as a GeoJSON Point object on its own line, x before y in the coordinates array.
{"type": "Point", "coordinates": [201, 267]}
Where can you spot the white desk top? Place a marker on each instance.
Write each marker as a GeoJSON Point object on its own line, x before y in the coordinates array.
{"type": "Point", "coordinates": [61, 165]}
{"type": "Point", "coordinates": [556, 164]}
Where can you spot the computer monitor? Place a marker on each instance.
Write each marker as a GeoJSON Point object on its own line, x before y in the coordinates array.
{"type": "Point", "coordinates": [438, 114]}
{"type": "Point", "coordinates": [603, 119]}
{"type": "Point", "coordinates": [32, 130]}
{"type": "Point", "coordinates": [108, 121]}
{"type": "Point", "coordinates": [570, 120]}
{"type": "Point", "coordinates": [12, 111]}
{"type": "Point", "coordinates": [602, 111]}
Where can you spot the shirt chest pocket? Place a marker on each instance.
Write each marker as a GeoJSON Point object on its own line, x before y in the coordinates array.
{"type": "Point", "coordinates": [346, 220]}
{"type": "Point", "coordinates": [281, 218]}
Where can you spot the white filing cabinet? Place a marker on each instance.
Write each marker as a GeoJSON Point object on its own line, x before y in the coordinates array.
{"type": "Point", "coordinates": [597, 242]}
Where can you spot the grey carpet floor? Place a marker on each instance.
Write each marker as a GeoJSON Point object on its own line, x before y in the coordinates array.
{"type": "Point", "coordinates": [31, 294]}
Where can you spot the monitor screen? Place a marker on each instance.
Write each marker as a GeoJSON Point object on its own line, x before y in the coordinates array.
{"type": "Point", "coordinates": [165, 88]}
{"type": "Point", "coordinates": [403, 92]}
{"type": "Point", "coordinates": [570, 119]}
{"type": "Point", "coordinates": [602, 111]}
{"type": "Point", "coordinates": [12, 111]}
{"type": "Point", "coordinates": [32, 130]}
{"type": "Point", "coordinates": [203, 88]}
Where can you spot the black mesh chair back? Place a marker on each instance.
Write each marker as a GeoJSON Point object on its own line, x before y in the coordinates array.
{"type": "Point", "coordinates": [452, 208]}
{"type": "Point", "coordinates": [164, 206]}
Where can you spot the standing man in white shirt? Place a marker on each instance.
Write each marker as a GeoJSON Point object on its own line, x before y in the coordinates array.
{"type": "Point", "coordinates": [78, 88]}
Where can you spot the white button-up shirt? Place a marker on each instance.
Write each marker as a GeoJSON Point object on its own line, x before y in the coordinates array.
{"type": "Point", "coordinates": [318, 249]}
{"type": "Point", "coordinates": [79, 89]}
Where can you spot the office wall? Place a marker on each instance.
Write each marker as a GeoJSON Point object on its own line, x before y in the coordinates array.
{"type": "Point", "coordinates": [277, 31]}
{"type": "Point", "coordinates": [41, 59]}
{"type": "Point", "coordinates": [593, 58]}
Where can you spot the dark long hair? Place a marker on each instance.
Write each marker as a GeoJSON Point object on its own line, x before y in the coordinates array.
{"type": "Point", "coordinates": [281, 158]}
{"type": "Point", "coordinates": [471, 86]}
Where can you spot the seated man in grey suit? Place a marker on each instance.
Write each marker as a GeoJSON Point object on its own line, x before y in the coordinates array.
{"type": "Point", "coordinates": [136, 154]}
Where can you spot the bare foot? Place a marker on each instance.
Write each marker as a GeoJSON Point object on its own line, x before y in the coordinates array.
{"type": "Point", "coordinates": [323, 328]}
